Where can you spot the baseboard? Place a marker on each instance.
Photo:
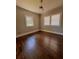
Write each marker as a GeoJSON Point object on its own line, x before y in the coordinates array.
{"type": "Point", "coordinates": [27, 33]}
{"type": "Point", "coordinates": [52, 32]}
{"type": "Point", "coordinates": [37, 31]}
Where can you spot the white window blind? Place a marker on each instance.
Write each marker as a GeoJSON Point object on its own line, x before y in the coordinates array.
{"type": "Point", "coordinates": [47, 20]}
{"type": "Point", "coordinates": [55, 20]}
{"type": "Point", "coordinates": [29, 21]}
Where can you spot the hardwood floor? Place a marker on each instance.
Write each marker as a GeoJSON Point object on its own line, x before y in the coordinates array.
{"type": "Point", "coordinates": [39, 45]}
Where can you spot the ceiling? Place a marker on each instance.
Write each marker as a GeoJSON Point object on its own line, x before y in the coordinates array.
{"type": "Point", "coordinates": [33, 5]}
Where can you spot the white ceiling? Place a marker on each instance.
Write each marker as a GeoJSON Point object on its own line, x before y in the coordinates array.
{"type": "Point", "coordinates": [33, 5]}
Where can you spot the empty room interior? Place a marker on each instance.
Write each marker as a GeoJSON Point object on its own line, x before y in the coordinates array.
{"type": "Point", "coordinates": [39, 29]}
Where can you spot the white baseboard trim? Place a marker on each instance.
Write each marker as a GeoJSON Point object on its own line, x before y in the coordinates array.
{"type": "Point", "coordinates": [37, 31]}
{"type": "Point", "coordinates": [27, 33]}
{"type": "Point", "coordinates": [52, 32]}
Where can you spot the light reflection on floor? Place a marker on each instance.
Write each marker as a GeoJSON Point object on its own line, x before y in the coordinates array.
{"type": "Point", "coordinates": [40, 46]}
{"type": "Point", "coordinates": [30, 44]}
{"type": "Point", "coordinates": [54, 45]}
{"type": "Point", "coordinates": [48, 42]}
{"type": "Point", "coordinates": [51, 43]}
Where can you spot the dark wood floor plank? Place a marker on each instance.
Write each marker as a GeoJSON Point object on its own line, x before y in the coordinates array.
{"type": "Point", "coordinates": [39, 45]}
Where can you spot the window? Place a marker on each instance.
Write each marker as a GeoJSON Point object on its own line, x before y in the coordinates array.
{"type": "Point", "coordinates": [47, 20]}
{"type": "Point", "coordinates": [29, 21]}
{"type": "Point", "coordinates": [55, 20]}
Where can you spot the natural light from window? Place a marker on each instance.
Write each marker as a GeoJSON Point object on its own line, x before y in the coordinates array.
{"type": "Point", "coordinates": [29, 21]}
{"type": "Point", "coordinates": [55, 20]}
{"type": "Point", "coordinates": [47, 20]}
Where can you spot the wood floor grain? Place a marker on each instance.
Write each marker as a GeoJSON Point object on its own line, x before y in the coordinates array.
{"type": "Point", "coordinates": [39, 45]}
